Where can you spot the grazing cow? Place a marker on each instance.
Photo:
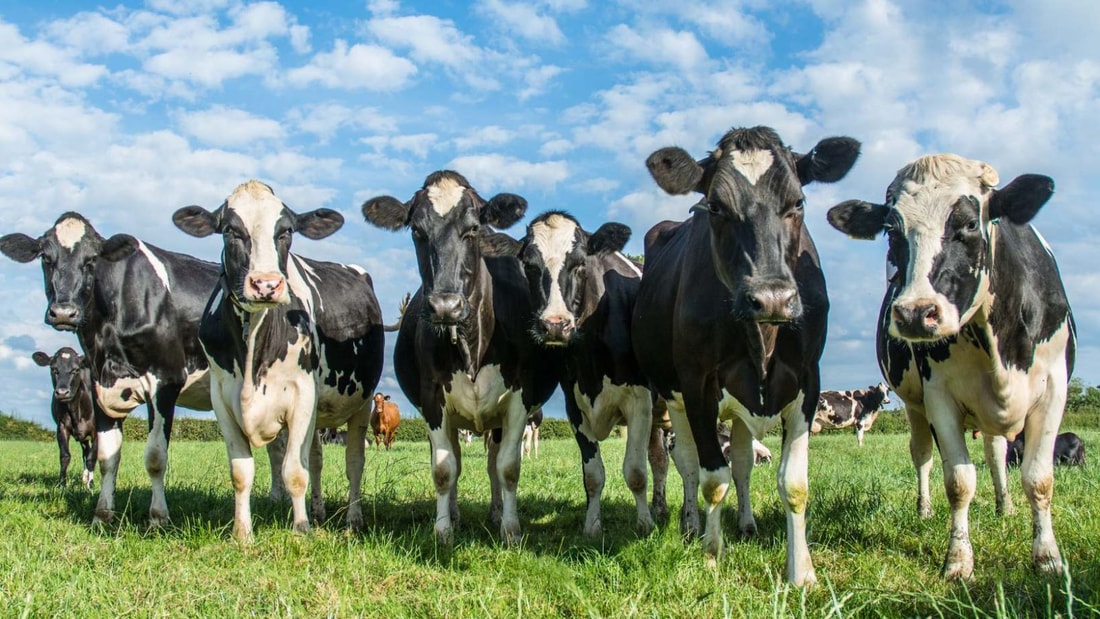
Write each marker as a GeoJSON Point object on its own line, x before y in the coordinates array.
{"type": "Point", "coordinates": [1068, 450]}
{"type": "Point", "coordinates": [72, 408]}
{"type": "Point", "coordinates": [292, 343]}
{"type": "Point", "coordinates": [463, 356]}
{"type": "Point", "coordinates": [975, 330]}
{"type": "Point", "coordinates": [332, 436]}
{"type": "Point", "coordinates": [843, 409]}
{"type": "Point", "coordinates": [384, 419]}
{"type": "Point", "coordinates": [583, 291]}
{"type": "Point", "coordinates": [730, 320]}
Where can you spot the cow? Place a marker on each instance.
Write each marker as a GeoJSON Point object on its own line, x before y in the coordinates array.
{"type": "Point", "coordinates": [384, 419]}
{"type": "Point", "coordinates": [760, 452]}
{"type": "Point", "coordinates": [583, 291]}
{"type": "Point", "coordinates": [975, 330]}
{"type": "Point", "coordinates": [1068, 450]}
{"type": "Point", "coordinates": [291, 342]}
{"type": "Point", "coordinates": [72, 409]}
{"type": "Point", "coordinates": [531, 434]}
{"type": "Point", "coordinates": [731, 317]}
{"type": "Point", "coordinates": [463, 355]}
{"type": "Point", "coordinates": [332, 436]}
{"type": "Point", "coordinates": [843, 409]}
{"type": "Point", "coordinates": [466, 436]}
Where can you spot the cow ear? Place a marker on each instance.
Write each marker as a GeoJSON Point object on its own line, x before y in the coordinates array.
{"type": "Point", "coordinates": [318, 224]}
{"type": "Point", "coordinates": [498, 244]}
{"type": "Point", "coordinates": [858, 219]}
{"type": "Point", "coordinates": [829, 161]}
{"type": "Point", "coordinates": [675, 171]}
{"type": "Point", "coordinates": [20, 247]}
{"type": "Point", "coordinates": [610, 237]}
{"type": "Point", "coordinates": [196, 221]}
{"type": "Point", "coordinates": [118, 247]}
{"type": "Point", "coordinates": [41, 358]}
{"type": "Point", "coordinates": [386, 398]}
{"type": "Point", "coordinates": [1021, 199]}
{"type": "Point", "coordinates": [503, 210]}
{"type": "Point", "coordinates": [386, 212]}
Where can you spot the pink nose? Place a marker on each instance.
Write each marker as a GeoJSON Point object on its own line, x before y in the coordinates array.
{"type": "Point", "coordinates": [265, 286]}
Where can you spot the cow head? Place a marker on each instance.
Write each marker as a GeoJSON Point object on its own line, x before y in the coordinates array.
{"type": "Point", "coordinates": [380, 400]}
{"type": "Point", "coordinates": [256, 229]}
{"type": "Point", "coordinates": [68, 371]}
{"type": "Point", "coordinates": [69, 253]}
{"type": "Point", "coordinates": [446, 217]}
{"type": "Point", "coordinates": [939, 218]}
{"type": "Point", "coordinates": [753, 201]}
{"type": "Point", "coordinates": [565, 279]}
{"type": "Point", "coordinates": [884, 389]}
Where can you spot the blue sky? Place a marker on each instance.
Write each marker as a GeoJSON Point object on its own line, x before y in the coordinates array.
{"type": "Point", "coordinates": [127, 112]}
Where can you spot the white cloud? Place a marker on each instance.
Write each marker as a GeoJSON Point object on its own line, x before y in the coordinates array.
{"type": "Point", "coordinates": [489, 135]}
{"type": "Point", "coordinates": [496, 172]}
{"type": "Point", "coordinates": [432, 40]}
{"type": "Point", "coordinates": [416, 144]}
{"type": "Point", "coordinates": [325, 120]}
{"type": "Point", "coordinates": [523, 20]}
{"type": "Point", "coordinates": [40, 58]}
{"type": "Point", "coordinates": [360, 67]}
{"type": "Point", "coordinates": [223, 126]}
{"type": "Point", "coordinates": [658, 46]}
{"type": "Point", "coordinates": [536, 81]}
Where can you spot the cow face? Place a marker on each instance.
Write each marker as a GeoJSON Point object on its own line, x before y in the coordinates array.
{"type": "Point", "coordinates": [564, 277]}
{"type": "Point", "coordinates": [256, 229]}
{"type": "Point", "coordinates": [380, 400]}
{"type": "Point", "coordinates": [884, 389]}
{"type": "Point", "coordinates": [67, 369]}
{"type": "Point", "coordinates": [69, 253]}
{"type": "Point", "coordinates": [446, 217]}
{"type": "Point", "coordinates": [939, 218]}
{"type": "Point", "coordinates": [753, 201]}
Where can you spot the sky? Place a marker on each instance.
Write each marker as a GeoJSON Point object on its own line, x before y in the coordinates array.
{"type": "Point", "coordinates": [128, 111]}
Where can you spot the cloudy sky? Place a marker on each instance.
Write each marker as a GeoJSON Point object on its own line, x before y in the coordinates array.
{"type": "Point", "coordinates": [125, 113]}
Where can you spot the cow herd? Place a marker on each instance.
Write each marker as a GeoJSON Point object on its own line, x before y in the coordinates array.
{"type": "Point", "coordinates": [727, 324]}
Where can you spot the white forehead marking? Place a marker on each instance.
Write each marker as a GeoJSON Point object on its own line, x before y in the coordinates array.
{"type": "Point", "coordinates": [65, 355]}
{"type": "Point", "coordinates": [158, 266]}
{"type": "Point", "coordinates": [444, 194]}
{"type": "Point", "coordinates": [554, 237]}
{"type": "Point", "coordinates": [752, 164]}
{"type": "Point", "coordinates": [259, 210]}
{"type": "Point", "coordinates": [69, 232]}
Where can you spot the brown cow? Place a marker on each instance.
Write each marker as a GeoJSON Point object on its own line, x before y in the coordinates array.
{"type": "Point", "coordinates": [384, 418]}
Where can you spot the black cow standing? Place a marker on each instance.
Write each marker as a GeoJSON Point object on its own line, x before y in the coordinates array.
{"type": "Point", "coordinates": [292, 343]}
{"type": "Point", "coordinates": [464, 356]}
{"type": "Point", "coordinates": [975, 330]}
{"type": "Point", "coordinates": [583, 292]}
{"type": "Point", "coordinates": [72, 408]}
{"type": "Point", "coordinates": [731, 317]}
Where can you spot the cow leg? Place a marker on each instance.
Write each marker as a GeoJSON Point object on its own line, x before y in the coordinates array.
{"type": "Point", "coordinates": [859, 433]}
{"type": "Point", "coordinates": [301, 434]}
{"type": "Point", "coordinates": [317, 512]}
{"type": "Point", "coordinates": [794, 491]}
{"type": "Point", "coordinates": [594, 476]}
{"type": "Point", "coordinates": [959, 483]}
{"type": "Point", "coordinates": [353, 464]}
{"type": "Point", "coordinates": [742, 459]}
{"type": "Point", "coordinates": [535, 441]}
{"type": "Point", "coordinates": [162, 408]}
{"type": "Point", "coordinates": [496, 500]}
{"type": "Point", "coordinates": [276, 451]}
{"type": "Point", "coordinates": [444, 476]}
{"type": "Point", "coordinates": [658, 464]}
{"type": "Point", "coordinates": [65, 457]}
{"type": "Point", "coordinates": [88, 453]}
{"type": "Point", "coordinates": [109, 440]}
{"type": "Point", "coordinates": [508, 468]}
{"type": "Point", "coordinates": [639, 422]}
{"type": "Point", "coordinates": [456, 517]}
{"type": "Point", "coordinates": [714, 470]}
{"type": "Point", "coordinates": [1037, 472]}
{"type": "Point", "coordinates": [996, 447]}
{"type": "Point", "coordinates": [242, 472]}
{"type": "Point", "coordinates": [686, 458]}
{"type": "Point", "coordinates": [920, 450]}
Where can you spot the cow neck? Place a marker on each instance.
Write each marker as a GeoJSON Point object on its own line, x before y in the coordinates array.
{"type": "Point", "coordinates": [472, 339]}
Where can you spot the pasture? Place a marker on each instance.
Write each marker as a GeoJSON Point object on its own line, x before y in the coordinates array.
{"type": "Point", "coordinates": [873, 556]}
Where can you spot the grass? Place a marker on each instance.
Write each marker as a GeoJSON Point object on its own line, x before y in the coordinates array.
{"type": "Point", "coordinates": [873, 556]}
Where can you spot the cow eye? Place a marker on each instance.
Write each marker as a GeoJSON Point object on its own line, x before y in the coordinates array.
{"type": "Point", "coordinates": [47, 260]}
{"type": "Point", "coordinates": [471, 232]}
{"type": "Point", "coordinates": [972, 225]}
{"type": "Point", "coordinates": [801, 204]}
{"type": "Point", "coordinates": [284, 235]}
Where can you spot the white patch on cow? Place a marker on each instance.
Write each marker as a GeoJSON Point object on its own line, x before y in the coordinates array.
{"type": "Point", "coordinates": [196, 391]}
{"type": "Point", "coordinates": [158, 266]}
{"type": "Point", "coordinates": [629, 264]}
{"type": "Point", "coordinates": [730, 407]}
{"type": "Point", "coordinates": [445, 194]}
{"type": "Point", "coordinates": [259, 211]}
{"type": "Point", "coordinates": [137, 391]}
{"type": "Point", "coordinates": [482, 403]}
{"type": "Point", "coordinates": [358, 269]}
{"type": "Point", "coordinates": [555, 237]}
{"type": "Point", "coordinates": [69, 231]}
{"type": "Point", "coordinates": [285, 390]}
{"type": "Point", "coordinates": [1042, 240]}
{"type": "Point", "coordinates": [607, 410]}
{"type": "Point", "coordinates": [752, 164]}
{"type": "Point", "coordinates": [302, 281]}
{"type": "Point", "coordinates": [219, 294]}
{"type": "Point", "coordinates": [65, 354]}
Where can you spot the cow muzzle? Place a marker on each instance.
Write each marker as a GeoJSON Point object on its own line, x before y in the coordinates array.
{"type": "Point", "coordinates": [556, 330]}
{"type": "Point", "coordinates": [770, 301]}
{"type": "Point", "coordinates": [63, 394]}
{"type": "Point", "coordinates": [917, 320]}
{"type": "Point", "coordinates": [265, 288]}
{"type": "Point", "coordinates": [447, 307]}
{"type": "Point", "coordinates": [63, 316]}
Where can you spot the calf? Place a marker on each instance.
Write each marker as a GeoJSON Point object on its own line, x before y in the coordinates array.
{"type": "Point", "coordinates": [463, 356]}
{"type": "Point", "coordinates": [292, 343]}
{"type": "Point", "coordinates": [731, 317]}
{"type": "Point", "coordinates": [843, 409]}
{"type": "Point", "coordinates": [583, 291]}
{"type": "Point", "coordinates": [975, 330]}
{"type": "Point", "coordinates": [384, 419]}
{"type": "Point", "coordinates": [1068, 450]}
{"type": "Point", "coordinates": [72, 409]}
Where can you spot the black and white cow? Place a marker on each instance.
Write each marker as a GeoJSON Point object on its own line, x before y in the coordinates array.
{"type": "Point", "coordinates": [135, 309]}
{"type": "Point", "coordinates": [583, 291]}
{"type": "Point", "coordinates": [1069, 450]}
{"type": "Point", "coordinates": [731, 317]}
{"type": "Point", "coordinates": [72, 409]}
{"type": "Point", "coordinates": [464, 356]}
{"type": "Point", "coordinates": [292, 343]}
{"type": "Point", "coordinates": [845, 409]}
{"type": "Point", "coordinates": [975, 330]}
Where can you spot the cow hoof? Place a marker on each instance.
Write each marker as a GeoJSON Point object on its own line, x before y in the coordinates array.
{"type": "Point", "coordinates": [511, 535]}
{"type": "Point", "coordinates": [748, 529]}
{"type": "Point", "coordinates": [924, 509]}
{"type": "Point", "coordinates": [444, 536]}
{"type": "Point", "coordinates": [644, 526]}
{"type": "Point", "coordinates": [355, 522]}
{"type": "Point", "coordinates": [301, 528]}
{"type": "Point", "coordinates": [158, 520]}
{"type": "Point", "coordinates": [88, 478]}
{"type": "Point", "coordinates": [103, 517]}
{"type": "Point", "coordinates": [659, 511]}
{"type": "Point", "coordinates": [689, 526]}
{"type": "Point", "coordinates": [318, 515]}
{"type": "Point", "coordinates": [1048, 564]}
{"type": "Point", "coordinates": [594, 530]}
{"type": "Point", "coordinates": [958, 570]}
{"type": "Point", "coordinates": [805, 580]}
{"type": "Point", "coordinates": [243, 535]}
{"type": "Point", "coordinates": [710, 561]}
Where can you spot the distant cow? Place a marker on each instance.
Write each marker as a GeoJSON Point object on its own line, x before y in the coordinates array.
{"type": "Point", "coordinates": [384, 419]}
{"type": "Point", "coordinates": [71, 407]}
{"type": "Point", "coordinates": [292, 343]}
{"type": "Point", "coordinates": [731, 320]}
{"type": "Point", "coordinates": [1068, 450]}
{"type": "Point", "coordinates": [332, 436]}
{"type": "Point", "coordinates": [975, 330]}
{"type": "Point", "coordinates": [531, 434]}
{"type": "Point", "coordinates": [843, 409]}
{"type": "Point", "coordinates": [760, 453]}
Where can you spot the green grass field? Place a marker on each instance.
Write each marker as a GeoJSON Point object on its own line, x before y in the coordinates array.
{"type": "Point", "coordinates": [873, 556]}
